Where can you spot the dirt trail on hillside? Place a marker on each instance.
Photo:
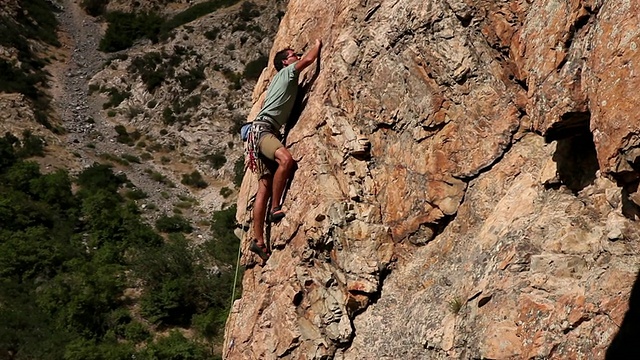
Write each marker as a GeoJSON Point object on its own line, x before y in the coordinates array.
{"type": "Point", "coordinates": [80, 36]}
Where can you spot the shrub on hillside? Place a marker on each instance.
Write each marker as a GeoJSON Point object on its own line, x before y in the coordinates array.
{"type": "Point", "coordinates": [36, 21]}
{"type": "Point", "coordinates": [190, 102]}
{"type": "Point", "coordinates": [234, 78]}
{"type": "Point", "coordinates": [216, 159]}
{"type": "Point", "coordinates": [94, 7]}
{"type": "Point", "coordinates": [194, 180]}
{"type": "Point", "coordinates": [152, 69]}
{"type": "Point", "coordinates": [39, 21]}
{"type": "Point", "coordinates": [32, 145]}
{"type": "Point", "coordinates": [125, 137]}
{"type": "Point", "coordinates": [27, 81]}
{"type": "Point", "coordinates": [126, 28]}
{"type": "Point", "coordinates": [193, 13]}
{"type": "Point", "coordinates": [212, 34]}
{"type": "Point", "coordinates": [18, 80]}
{"type": "Point", "coordinates": [248, 11]}
{"type": "Point", "coordinates": [135, 194]}
{"type": "Point", "coordinates": [173, 224]}
{"type": "Point", "coordinates": [238, 171]}
{"type": "Point", "coordinates": [115, 97]}
{"type": "Point", "coordinates": [174, 347]}
{"type": "Point", "coordinates": [226, 192]}
{"type": "Point", "coordinates": [253, 69]}
{"type": "Point", "coordinates": [192, 78]}
{"type": "Point", "coordinates": [100, 176]}
{"type": "Point", "coordinates": [131, 158]}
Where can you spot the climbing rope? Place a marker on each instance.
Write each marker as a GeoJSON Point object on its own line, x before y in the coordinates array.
{"type": "Point", "coordinates": [235, 279]}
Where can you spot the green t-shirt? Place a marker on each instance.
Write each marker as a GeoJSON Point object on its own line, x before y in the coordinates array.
{"type": "Point", "coordinates": [281, 95]}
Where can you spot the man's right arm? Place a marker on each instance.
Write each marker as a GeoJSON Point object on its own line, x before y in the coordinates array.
{"type": "Point", "coordinates": [309, 57]}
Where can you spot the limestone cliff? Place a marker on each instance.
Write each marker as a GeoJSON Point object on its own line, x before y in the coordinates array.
{"type": "Point", "coordinates": [466, 185]}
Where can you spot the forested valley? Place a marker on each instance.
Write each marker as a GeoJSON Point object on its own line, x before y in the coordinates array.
{"type": "Point", "coordinates": [83, 276]}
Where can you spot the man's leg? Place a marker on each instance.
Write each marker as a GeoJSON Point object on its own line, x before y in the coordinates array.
{"type": "Point", "coordinates": [283, 173]}
{"type": "Point", "coordinates": [260, 208]}
{"type": "Point", "coordinates": [273, 149]}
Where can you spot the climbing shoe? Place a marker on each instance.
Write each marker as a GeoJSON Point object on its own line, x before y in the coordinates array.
{"type": "Point", "coordinates": [259, 250]}
{"type": "Point", "coordinates": [276, 215]}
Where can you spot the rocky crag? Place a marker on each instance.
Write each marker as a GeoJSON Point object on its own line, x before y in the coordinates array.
{"type": "Point", "coordinates": [466, 185]}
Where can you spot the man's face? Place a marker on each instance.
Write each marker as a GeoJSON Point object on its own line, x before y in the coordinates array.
{"type": "Point", "coordinates": [291, 58]}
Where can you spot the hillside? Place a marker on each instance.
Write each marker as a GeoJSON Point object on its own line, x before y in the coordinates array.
{"type": "Point", "coordinates": [466, 186]}
{"type": "Point", "coordinates": [158, 111]}
{"type": "Point", "coordinates": [119, 173]}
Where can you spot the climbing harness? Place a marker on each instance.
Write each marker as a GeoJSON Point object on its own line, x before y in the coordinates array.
{"type": "Point", "coordinates": [254, 133]}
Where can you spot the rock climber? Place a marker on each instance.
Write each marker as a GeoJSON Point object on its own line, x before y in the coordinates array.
{"type": "Point", "coordinates": [267, 156]}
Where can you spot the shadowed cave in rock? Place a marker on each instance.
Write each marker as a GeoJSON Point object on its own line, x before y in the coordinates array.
{"type": "Point", "coordinates": [575, 150]}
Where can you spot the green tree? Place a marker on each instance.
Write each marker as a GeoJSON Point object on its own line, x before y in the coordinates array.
{"type": "Point", "coordinates": [174, 347]}
{"type": "Point", "coordinates": [26, 331]}
{"type": "Point", "coordinates": [99, 176]}
{"type": "Point", "coordinates": [20, 175]}
{"type": "Point", "coordinates": [54, 189]}
{"type": "Point", "coordinates": [125, 28]}
{"type": "Point", "coordinates": [90, 349]}
{"type": "Point", "coordinates": [224, 244]}
{"type": "Point", "coordinates": [94, 7]}
{"type": "Point", "coordinates": [173, 224]}
{"type": "Point", "coordinates": [65, 260]}
{"type": "Point", "coordinates": [7, 154]}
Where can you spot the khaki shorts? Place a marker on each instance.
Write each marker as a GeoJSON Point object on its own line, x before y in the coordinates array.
{"type": "Point", "coordinates": [268, 146]}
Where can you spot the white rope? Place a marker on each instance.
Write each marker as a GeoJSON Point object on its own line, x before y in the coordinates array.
{"type": "Point", "coordinates": [235, 280]}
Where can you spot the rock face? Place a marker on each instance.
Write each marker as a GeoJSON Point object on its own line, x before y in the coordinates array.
{"type": "Point", "coordinates": [466, 185]}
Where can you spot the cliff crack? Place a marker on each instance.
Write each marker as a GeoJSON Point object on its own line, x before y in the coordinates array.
{"type": "Point", "coordinates": [304, 137]}
{"type": "Point", "coordinates": [575, 324]}
{"type": "Point", "coordinates": [577, 25]}
{"type": "Point", "coordinates": [371, 11]}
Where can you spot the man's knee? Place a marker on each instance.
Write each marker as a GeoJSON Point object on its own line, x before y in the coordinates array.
{"type": "Point", "coordinates": [284, 158]}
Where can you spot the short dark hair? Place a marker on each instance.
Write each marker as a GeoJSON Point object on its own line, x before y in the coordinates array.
{"type": "Point", "coordinates": [281, 56]}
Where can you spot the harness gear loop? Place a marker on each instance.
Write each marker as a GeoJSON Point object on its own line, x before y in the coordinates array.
{"type": "Point", "coordinates": [252, 146]}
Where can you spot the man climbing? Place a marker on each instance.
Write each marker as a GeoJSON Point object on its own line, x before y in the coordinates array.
{"type": "Point", "coordinates": [268, 157]}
